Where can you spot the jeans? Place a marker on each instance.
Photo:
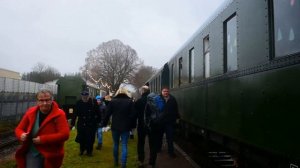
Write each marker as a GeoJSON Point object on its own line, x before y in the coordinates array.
{"type": "Point", "coordinates": [116, 135]}
{"type": "Point", "coordinates": [99, 135]}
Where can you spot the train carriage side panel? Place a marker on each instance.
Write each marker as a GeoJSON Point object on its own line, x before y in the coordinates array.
{"type": "Point", "coordinates": [198, 57]}
{"type": "Point", "coordinates": [191, 103]}
{"type": "Point", "coordinates": [223, 109]}
{"type": "Point", "coordinates": [254, 106]}
{"type": "Point", "coordinates": [253, 33]}
{"type": "Point", "coordinates": [270, 121]}
{"type": "Point", "coordinates": [249, 108]}
{"type": "Point", "coordinates": [216, 47]}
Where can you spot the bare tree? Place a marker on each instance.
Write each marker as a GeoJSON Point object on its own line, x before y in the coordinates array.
{"type": "Point", "coordinates": [142, 75]}
{"type": "Point", "coordinates": [110, 64]}
{"type": "Point", "coordinates": [41, 73]}
{"type": "Point", "coordinates": [39, 67]}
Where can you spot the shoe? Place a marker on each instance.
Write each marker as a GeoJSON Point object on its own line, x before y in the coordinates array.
{"type": "Point", "coordinates": [172, 155]}
{"type": "Point", "coordinates": [140, 164]}
{"type": "Point", "coordinates": [116, 164]}
{"type": "Point", "coordinates": [80, 153]}
{"type": "Point", "coordinates": [152, 165]}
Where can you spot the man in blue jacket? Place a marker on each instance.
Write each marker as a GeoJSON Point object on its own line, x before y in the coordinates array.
{"type": "Point", "coordinates": [170, 110]}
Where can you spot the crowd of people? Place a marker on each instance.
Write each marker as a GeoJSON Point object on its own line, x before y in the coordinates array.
{"type": "Point", "coordinates": [44, 127]}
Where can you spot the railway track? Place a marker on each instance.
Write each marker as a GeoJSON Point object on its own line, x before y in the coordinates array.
{"type": "Point", "coordinates": [7, 139]}
{"type": "Point", "coordinates": [8, 145]}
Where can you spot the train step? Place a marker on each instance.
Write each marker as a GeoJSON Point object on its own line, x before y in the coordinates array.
{"type": "Point", "coordinates": [222, 159]}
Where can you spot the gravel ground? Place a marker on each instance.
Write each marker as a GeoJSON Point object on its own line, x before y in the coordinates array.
{"type": "Point", "coordinates": [8, 153]}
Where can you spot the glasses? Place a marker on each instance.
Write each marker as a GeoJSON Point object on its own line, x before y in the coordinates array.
{"type": "Point", "coordinates": [45, 101]}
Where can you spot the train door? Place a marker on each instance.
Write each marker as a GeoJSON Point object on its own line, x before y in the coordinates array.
{"type": "Point", "coordinates": [165, 76]}
{"type": "Point", "coordinates": [69, 105]}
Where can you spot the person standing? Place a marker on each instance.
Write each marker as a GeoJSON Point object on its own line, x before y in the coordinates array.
{"type": "Point", "coordinates": [42, 131]}
{"type": "Point", "coordinates": [170, 109]}
{"type": "Point", "coordinates": [86, 110]}
{"type": "Point", "coordinates": [121, 108]}
{"type": "Point", "coordinates": [140, 105]}
{"type": "Point", "coordinates": [154, 117]}
{"type": "Point", "coordinates": [100, 102]}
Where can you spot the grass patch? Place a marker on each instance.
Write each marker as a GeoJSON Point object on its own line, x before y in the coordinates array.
{"type": "Point", "coordinates": [8, 164]}
{"type": "Point", "coordinates": [101, 158]}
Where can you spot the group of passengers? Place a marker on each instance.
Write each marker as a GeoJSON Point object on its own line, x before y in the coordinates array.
{"type": "Point", "coordinates": [44, 127]}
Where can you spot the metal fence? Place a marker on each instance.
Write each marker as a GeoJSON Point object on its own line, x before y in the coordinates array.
{"type": "Point", "coordinates": [16, 96]}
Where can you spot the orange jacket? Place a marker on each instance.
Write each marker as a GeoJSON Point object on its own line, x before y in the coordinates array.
{"type": "Point", "coordinates": [53, 132]}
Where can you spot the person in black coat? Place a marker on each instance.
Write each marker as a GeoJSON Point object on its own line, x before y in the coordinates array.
{"type": "Point", "coordinates": [141, 132]}
{"type": "Point", "coordinates": [121, 108]}
{"type": "Point", "coordinates": [170, 109]}
{"type": "Point", "coordinates": [86, 110]}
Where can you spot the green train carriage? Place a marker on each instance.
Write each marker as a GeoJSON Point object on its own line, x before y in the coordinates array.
{"type": "Point", "coordinates": [237, 81]}
{"type": "Point", "coordinates": [68, 92]}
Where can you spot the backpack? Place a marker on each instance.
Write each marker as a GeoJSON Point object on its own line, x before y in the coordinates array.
{"type": "Point", "coordinates": [153, 114]}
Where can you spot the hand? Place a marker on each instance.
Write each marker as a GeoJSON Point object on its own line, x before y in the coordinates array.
{"type": "Point", "coordinates": [36, 140]}
{"type": "Point", "coordinates": [23, 137]}
{"type": "Point", "coordinates": [100, 125]}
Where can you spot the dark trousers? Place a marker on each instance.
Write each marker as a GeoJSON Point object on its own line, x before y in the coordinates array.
{"type": "Point", "coordinates": [168, 128]}
{"type": "Point", "coordinates": [87, 139]}
{"type": "Point", "coordinates": [154, 141]}
{"type": "Point", "coordinates": [141, 132]}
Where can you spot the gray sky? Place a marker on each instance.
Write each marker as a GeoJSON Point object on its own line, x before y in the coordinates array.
{"type": "Point", "coordinates": [59, 33]}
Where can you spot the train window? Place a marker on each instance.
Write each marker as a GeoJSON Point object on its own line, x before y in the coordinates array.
{"type": "Point", "coordinates": [231, 44]}
{"type": "Point", "coordinates": [191, 65]}
{"type": "Point", "coordinates": [179, 70]}
{"type": "Point", "coordinates": [286, 27]}
{"type": "Point", "coordinates": [172, 76]}
{"type": "Point", "coordinates": [206, 53]}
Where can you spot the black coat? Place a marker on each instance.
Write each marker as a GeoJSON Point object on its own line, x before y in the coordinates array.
{"type": "Point", "coordinates": [121, 108]}
{"type": "Point", "coordinates": [87, 114]}
{"type": "Point", "coordinates": [140, 109]}
{"type": "Point", "coordinates": [170, 110]}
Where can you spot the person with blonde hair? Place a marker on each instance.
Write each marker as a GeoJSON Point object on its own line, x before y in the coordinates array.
{"type": "Point", "coordinates": [121, 108]}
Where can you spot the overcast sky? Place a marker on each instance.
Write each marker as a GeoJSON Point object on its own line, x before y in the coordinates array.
{"type": "Point", "coordinates": [59, 33]}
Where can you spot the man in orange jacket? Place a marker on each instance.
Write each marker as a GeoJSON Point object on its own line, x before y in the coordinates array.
{"type": "Point", "coordinates": [42, 131]}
